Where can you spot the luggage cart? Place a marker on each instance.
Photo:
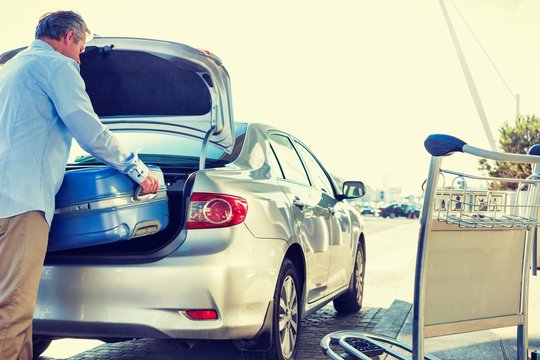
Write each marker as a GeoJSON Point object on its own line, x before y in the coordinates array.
{"type": "Point", "coordinates": [473, 258]}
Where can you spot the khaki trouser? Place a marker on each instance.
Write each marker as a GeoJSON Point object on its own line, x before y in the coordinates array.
{"type": "Point", "coordinates": [23, 243]}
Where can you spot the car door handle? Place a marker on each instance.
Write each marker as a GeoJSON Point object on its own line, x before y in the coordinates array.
{"type": "Point", "coordinates": [298, 203]}
{"type": "Point", "coordinates": [331, 210]}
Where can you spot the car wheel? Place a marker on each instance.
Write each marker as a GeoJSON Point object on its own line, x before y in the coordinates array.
{"type": "Point", "coordinates": [392, 215]}
{"type": "Point", "coordinates": [286, 318]}
{"type": "Point", "coordinates": [39, 345]}
{"type": "Point", "coordinates": [351, 301]}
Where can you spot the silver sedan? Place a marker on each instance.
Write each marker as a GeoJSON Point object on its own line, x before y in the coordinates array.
{"type": "Point", "coordinates": [259, 234]}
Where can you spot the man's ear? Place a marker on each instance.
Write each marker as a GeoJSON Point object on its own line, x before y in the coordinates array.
{"type": "Point", "coordinates": [70, 36]}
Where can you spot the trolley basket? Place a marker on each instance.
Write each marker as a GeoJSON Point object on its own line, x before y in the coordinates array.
{"type": "Point", "coordinates": [474, 238]}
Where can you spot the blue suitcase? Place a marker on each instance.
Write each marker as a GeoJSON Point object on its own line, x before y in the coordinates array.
{"type": "Point", "coordinates": [101, 205]}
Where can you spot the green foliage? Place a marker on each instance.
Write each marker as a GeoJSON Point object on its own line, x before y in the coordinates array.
{"type": "Point", "coordinates": [517, 139]}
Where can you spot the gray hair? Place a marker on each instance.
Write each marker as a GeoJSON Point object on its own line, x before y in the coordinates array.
{"type": "Point", "coordinates": [56, 25]}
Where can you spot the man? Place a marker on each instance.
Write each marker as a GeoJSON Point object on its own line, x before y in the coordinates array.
{"type": "Point", "coordinates": [43, 104]}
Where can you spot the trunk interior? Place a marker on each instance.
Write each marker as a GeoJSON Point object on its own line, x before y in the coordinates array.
{"type": "Point", "coordinates": [145, 247]}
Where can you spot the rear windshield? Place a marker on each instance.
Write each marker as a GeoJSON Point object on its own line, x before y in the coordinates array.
{"type": "Point", "coordinates": [166, 149]}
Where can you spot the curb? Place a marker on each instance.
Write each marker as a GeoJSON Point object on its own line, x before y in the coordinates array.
{"type": "Point", "coordinates": [391, 324]}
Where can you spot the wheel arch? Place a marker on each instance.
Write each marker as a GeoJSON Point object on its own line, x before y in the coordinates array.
{"type": "Point", "coordinates": [263, 340]}
{"type": "Point", "coordinates": [296, 256]}
{"type": "Point", "coordinates": [362, 243]}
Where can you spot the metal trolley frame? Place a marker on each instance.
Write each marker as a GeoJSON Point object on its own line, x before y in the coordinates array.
{"type": "Point", "coordinates": [473, 242]}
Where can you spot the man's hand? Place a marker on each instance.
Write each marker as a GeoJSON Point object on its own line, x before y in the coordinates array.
{"type": "Point", "coordinates": [150, 184]}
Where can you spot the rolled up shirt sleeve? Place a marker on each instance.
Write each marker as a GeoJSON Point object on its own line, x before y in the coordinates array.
{"type": "Point", "coordinates": [68, 94]}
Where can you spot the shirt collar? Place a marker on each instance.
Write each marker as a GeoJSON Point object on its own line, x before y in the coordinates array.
{"type": "Point", "coordinates": [40, 44]}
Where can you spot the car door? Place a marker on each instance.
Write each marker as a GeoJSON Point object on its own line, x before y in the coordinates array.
{"type": "Point", "coordinates": [311, 223]}
{"type": "Point", "coordinates": [341, 244]}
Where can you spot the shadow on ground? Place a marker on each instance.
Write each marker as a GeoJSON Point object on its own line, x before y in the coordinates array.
{"type": "Point", "coordinates": [317, 325]}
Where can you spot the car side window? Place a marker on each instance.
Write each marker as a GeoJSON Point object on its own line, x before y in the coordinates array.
{"type": "Point", "coordinates": [288, 159]}
{"type": "Point", "coordinates": [275, 169]}
{"type": "Point", "coordinates": [317, 174]}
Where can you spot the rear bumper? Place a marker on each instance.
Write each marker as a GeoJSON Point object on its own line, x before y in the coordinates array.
{"type": "Point", "coordinates": [235, 277]}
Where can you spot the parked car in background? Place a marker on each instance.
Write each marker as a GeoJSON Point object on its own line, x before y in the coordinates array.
{"type": "Point", "coordinates": [413, 212]}
{"type": "Point", "coordinates": [394, 210]}
{"type": "Point", "coordinates": [368, 210]}
{"type": "Point", "coordinates": [259, 235]}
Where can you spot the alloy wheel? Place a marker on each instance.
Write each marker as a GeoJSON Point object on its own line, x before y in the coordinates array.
{"type": "Point", "coordinates": [359, 275]}
{"type": "Point", "coordinates": [288, 317]}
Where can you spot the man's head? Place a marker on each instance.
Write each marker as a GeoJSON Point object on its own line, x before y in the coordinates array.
{"type": "Point", "coordinates": [65, 31]}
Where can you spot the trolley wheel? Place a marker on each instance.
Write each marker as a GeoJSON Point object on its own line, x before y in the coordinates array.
{"type": "Point", "coordinates": [351, 301]}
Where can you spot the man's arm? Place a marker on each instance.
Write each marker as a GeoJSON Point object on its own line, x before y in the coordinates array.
{"type": "Point", "coordinates": [73, 105]}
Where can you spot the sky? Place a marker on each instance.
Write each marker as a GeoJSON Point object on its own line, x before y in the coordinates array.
{"type": "Point", "coordinates": [362, 83]}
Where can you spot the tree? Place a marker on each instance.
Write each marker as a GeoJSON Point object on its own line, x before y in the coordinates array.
{"type": "Point", "coordinates": [517, 138]}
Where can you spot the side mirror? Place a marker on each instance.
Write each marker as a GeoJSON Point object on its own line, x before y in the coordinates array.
{"type": "Point", "coordinates": [353, 189]}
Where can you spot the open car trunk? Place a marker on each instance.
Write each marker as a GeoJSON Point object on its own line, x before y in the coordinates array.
{"type": "Point", "coordinates": [150, 88]}
{"type": "Point", "coordinates": [154, 87]}
{"type": "Point", "coordinates": [144, 247]}
{"type": "Point", "coordinates": [179, 174]}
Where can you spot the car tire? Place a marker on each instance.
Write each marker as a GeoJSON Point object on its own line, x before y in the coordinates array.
{"type": "Point", "coordinates": [392, 215]}
{"type": "Point", "coordinates": [351, 301]}
{"type": "Point", "coordinates": [39, 345]}
{"type": "Point", "coordinates": [286, 318]}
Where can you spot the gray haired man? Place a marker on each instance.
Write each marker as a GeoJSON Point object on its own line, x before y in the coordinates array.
{"type": "Point", "coordinates": [43, 105]}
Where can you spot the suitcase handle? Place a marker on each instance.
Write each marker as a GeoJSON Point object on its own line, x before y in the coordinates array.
{"type": "Point", "coordinates": [140, 196]}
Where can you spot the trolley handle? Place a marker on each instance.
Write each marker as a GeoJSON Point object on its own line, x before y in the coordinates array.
{"type": "Point", "coordinates": [444, 145]}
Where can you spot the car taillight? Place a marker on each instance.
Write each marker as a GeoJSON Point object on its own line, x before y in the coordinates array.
{"type": "Point", "coordinates": [208, 210]}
